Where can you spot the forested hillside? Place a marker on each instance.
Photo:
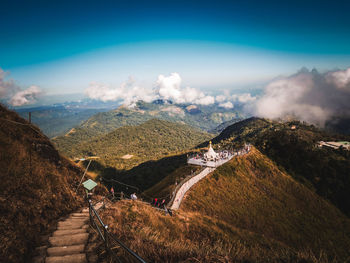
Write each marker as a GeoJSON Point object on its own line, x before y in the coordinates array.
{"type": "Point", "coordinates": [201, 117]}
{"type": "Point", "coordinates": [128, 146]}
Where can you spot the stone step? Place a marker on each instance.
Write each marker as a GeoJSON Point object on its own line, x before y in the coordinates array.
{"type": "Point", "coordinates": [74, 220]}
{"type": "Point", "coordinates": [80, 214]}
{"type": "Point", "coordinates": [69, 240]}
{"type": "Point", "coordinates": [66, 250]}
{"type": "Point", "coordinates": [68, 232]}
{"type": "Point", "coordinates": [68, 227]}
{"type": "Point", "coordinates": [71, 223]}
{"type": "Point", "coordinates": [79, 217]}
{"type": "Point", "coordinates": [76, 258]}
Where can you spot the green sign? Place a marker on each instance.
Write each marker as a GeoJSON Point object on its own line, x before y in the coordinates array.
{"type": "Point", "coordinates": [89, 184]}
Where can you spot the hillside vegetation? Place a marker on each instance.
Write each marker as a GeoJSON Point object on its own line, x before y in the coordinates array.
{"type": "Point", "coordinates": [198, 116]}
{"type": "Point", "coordinates": [129, 146]}
{"type": "Point", "coordinates": [246, 211]}
{"type": "Point", "coordinates": [296, 151]}
{"type": "Point", "coordinates": [36, 186]}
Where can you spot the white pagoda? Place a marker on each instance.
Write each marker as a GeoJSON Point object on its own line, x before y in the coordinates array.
{"type": "Point", "coordinates": [211, 155]}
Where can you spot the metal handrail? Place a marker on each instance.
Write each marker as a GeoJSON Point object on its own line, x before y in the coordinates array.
{"type": "Point", "coordinates": [106, 236]}
{"type": "Point", "coordinates": [125, 247]}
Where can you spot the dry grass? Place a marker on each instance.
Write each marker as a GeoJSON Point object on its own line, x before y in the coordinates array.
{"type": "Point", "coordinates": [247, 211]}
{"type": "Point", "coordinates": [35, 190]}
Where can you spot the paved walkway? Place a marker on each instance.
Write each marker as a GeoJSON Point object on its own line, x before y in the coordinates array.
{"type": "Point", "coordinates": [186, 186]}
{"type": "Point", "coordinates": [68, 243]}
{"type": "Point", "coordinates": [210, 168]}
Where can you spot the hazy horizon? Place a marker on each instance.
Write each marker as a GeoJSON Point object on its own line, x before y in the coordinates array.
{"type": "Point", "coordinates": [197, 52]}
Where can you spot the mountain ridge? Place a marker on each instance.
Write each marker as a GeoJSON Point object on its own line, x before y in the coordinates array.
{"type": "Point", "coordinates": [36, 186]}
{"type": "Point", "coordinates": [247, 210]}
{"type": "Point", "coordinates": [294, 147]}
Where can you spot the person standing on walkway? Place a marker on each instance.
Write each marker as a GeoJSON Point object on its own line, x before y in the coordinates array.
{"type": "Point", "coordinates": [112, 191]}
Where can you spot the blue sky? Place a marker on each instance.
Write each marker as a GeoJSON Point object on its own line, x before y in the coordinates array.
{"type": "Point", "coordinates": [62, 46]}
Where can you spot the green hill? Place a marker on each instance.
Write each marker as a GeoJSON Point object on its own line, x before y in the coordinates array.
{"type": "Point", "coordinates": [198, 116]}
{"type": "Point", "coordinates": [36, 186]}
{"type": "Point", "coordinates": [128, 146]}
{"type": "Point", "coordinates": [296, 151]}
{"type": "Point", "coordinates": [248, 210]}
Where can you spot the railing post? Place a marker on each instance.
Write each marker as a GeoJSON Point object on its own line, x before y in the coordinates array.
{"type": "Point", "coordinates": [105, 231]}
{"type": "Point", "coordinates": [90, 213]}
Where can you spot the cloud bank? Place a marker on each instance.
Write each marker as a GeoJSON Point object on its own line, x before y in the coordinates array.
{"type": "Point", "coordinates": [11, 93]}
{"type": "Point", "coordinates": [128, 92]}
{"type": "Point", "coordinates": [167, 88]}
{"type": "Point", "coordinates": [25, 97]}
{"type": "Point", "coordinates": [308, 96]}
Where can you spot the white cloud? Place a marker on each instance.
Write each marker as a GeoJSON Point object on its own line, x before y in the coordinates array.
{"type": "Point", "coordinates": [307, 96]}
{"type": "Point", "coordinates": [243, 98]}
{"type": "Point", "coordinates": [27, 96]}
{"type": "Point", "coordinates": [340, 78]}
{"type": "Point", "coordinates": [221, 98]}
{"type": "Point", "coordinates": [128, 92]}
{"type": "Point", "coordinates": [206, 100]}
{"type": "Point", "coordinates": [11, 93]}
{"type": "Point", "coordinates": [167, 87]}
{"type": "Point", "coordinates": [227, 105]}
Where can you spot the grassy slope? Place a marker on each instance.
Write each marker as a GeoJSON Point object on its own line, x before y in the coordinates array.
{"type": "Point", "coordinates": [325, 170]}
{"type": "Point", "coordinates": [34, 192]}
{"type": "Point", "coordinates": [246, 211]}
{"type": "Point", "coordinates": [150, 140]}
{"type": "Point", "coordinates": [253, 194]}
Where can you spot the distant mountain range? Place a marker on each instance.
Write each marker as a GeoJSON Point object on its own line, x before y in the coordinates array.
{"type": "Point", "coordinates": [58, 119]}
{"type": "Point", "coordinates": [198, 116]}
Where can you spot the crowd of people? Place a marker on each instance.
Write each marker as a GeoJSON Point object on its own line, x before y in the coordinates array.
{"type": "Point", "coordinates": [161, 205]}
{"type": "Point", "coordinates": [222, 155]}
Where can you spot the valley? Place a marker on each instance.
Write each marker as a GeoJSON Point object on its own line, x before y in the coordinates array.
{"type": "Point", "coordinates": [175, 131]}
{"type": "Point", "coordinates": [267, 205]}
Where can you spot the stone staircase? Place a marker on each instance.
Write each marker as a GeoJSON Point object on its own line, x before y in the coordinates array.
{"type": "Point", "coordinates": [69, 242]}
